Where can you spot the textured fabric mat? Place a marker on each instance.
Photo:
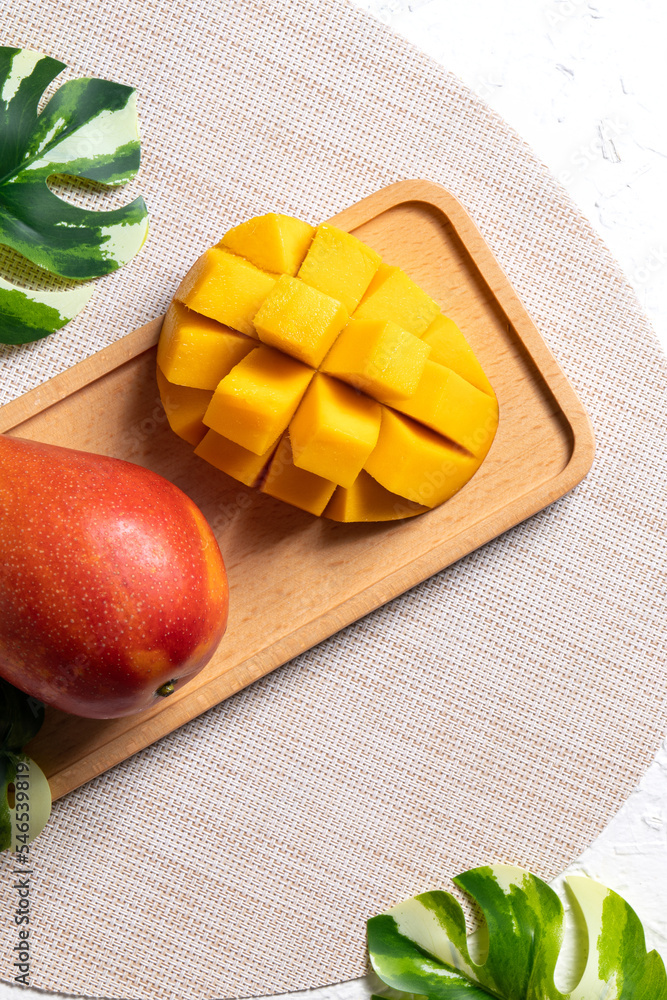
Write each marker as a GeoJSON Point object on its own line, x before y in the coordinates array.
{"type": "Point", "coordinates": [500, 711]}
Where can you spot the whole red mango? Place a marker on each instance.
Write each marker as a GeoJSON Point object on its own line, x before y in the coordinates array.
{"type": "Point", "coordinates": [112, 586]}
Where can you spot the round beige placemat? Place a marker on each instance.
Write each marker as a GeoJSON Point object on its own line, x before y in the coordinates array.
{"type": "Point", "coordinates": [500, 711]}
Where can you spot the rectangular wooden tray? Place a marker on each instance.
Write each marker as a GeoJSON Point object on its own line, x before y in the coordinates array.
{"type": "Point", "coordinates": [296, 579]}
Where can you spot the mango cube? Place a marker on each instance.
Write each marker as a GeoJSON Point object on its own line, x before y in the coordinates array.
{"type": "Point", "coordinates": [227, 288]}
{"type": "Point", "coordinates": [253, 405]}
{"type": "Point", "coordinates": [378, 357]}
{"type": "Point", "coordinates": [334, 430]}
{"type": "Point", "coordinates": [453, 407]}
{"type": "Point", "coordinates": [196, 351]}
{"type": "Point", "coordinates": [299, 320]}
{"type": "Point", "coordinates": [366, 500]}
{"type": "Point", "coordinates": [339, 265]}
{"type": "Point", "coordinates": [271, 242]}
{"type": "Point", "coordinates": [417, 464]}
{"type": "Point", "coordinates": [393, 296]}
{"type": "Point", "coordinates": [450, 348]}
{"type": "Point", "coordinates": [237, 462]}
{"type": "Point", "coordinates": [285, 481]}
{"type": "Point", "coordinates": [184, 408]}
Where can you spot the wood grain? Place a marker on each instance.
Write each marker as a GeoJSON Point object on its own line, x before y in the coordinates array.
{"type": "Point", "coordinates": [296, 579]}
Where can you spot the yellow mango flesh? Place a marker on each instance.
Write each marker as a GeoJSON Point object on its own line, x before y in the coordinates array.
{"type": "Point", "coordinates": [417, 464]}
{"type": "Point", "coordinates": [196, 351]}
{"type": "Point", "coordinates": [393, 296]}
{"type": "Point", "coordinates": [229, 457]}
{"type": "Point", "coordinates": [226, 288]}
{"type": "Point", "coordinates": [366, 500]}
{"type": "Point", "coordinates": [302, 489]}
{"type": "Point", "coordinates": [272, 242]}
{"type": "Point", "coordinates": [450, 348]}
{"type": "Point", "coordinates": [254, 404]}
{"type": "Point", "coordinates": [339, 265]}
{"type": "Point", "coordinates": [343, 390]}
{"type": "Point", "coordinates": [379, 358]}
{"type": "Point", "coordinates": [299, 320]}
{"type": "Point", "coordinates": [453, 407]}
{"type": "Point", "coordinates": [334, 430]}
{"type": "Point", "coordinates": [184, 408]}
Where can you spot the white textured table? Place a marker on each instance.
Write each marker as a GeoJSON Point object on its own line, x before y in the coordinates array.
{"type": "Point", "coordinates": [584, 84]}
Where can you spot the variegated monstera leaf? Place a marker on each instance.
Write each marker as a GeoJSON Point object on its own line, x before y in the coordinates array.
{"type": "Point", "coordinates": [21, 820]}
{"type": "Point", "coordinates": [88, 129]}
{"type": "Point", "coordinates": [421, 946]}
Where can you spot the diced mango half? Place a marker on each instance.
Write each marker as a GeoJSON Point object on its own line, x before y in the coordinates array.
{"type": "Point", "coordinates": [226, 288]}
{"type": "Point", "coordinates": [300, 320]}
{"type": "Point", "coordinates": [184, 408]}
{"type": "Point", "coordinates": [450, 348]}
{"type": "Point", "coordinates": [271, 242]}
{"type": "Point", "coordinates": [254, 404]}
{"type": "Point", "coordinates": [302, 489]}
{"type": "Point", "coordinates": [229, 457]}
{"type": "Point", "coordinates": [334, 430]}
{"type": "Point", "coordinates": [415, 463]}
{"type": "Point", "coordinates": [393, 296]}
{"type": "Point", "coordinates": [453, 407]}
{"type": "Point", "coordinates": [300, 364]}
{"type": "Point", "coordinates": [366, 500]}
{"type": "Point", "coordinates": [339, 265]}
{"type": "Point", "coordinates": [378, 357]}
{"type": "Point", "coordinates": [196, 351]}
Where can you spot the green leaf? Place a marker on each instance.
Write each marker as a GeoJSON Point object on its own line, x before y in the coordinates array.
{"type": "Point", "coordinates": [7, 775]}
{"type": "Point", "coordinates": [421, 946]}
{"type": "Point", "coordinates": [27, 816]}
{"type": "Point", "coordinates": [30, 314]}
{"type": "Point", "coordinates": [618, 953]}
{"type": "Point", "coordinates": [21, 717]}
{"type": "Point", "coordinates": [88, 129]}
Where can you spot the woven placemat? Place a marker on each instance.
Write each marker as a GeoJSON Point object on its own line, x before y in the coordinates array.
{"type": "Point", "coordinates": [500, 711]}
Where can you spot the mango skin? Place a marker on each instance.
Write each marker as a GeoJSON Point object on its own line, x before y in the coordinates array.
{"type": "Point", "coordinates": [111, 581]}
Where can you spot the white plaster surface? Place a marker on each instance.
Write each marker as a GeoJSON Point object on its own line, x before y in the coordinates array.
{"type": "Point", "coordinates": [585, 84]}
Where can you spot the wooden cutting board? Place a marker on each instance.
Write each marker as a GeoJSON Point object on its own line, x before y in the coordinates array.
{"type": "Point", "coordinates": [296, 579]}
